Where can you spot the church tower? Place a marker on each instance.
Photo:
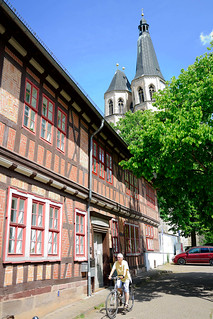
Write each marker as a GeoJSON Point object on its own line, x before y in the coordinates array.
{"type": "Point", "coordinates": [148, 78]}
{"type": "Point", "coordinates": [120, 96]}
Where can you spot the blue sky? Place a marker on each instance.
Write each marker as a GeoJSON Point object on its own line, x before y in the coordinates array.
{"type": "Point", "coordinates": [90, 37]}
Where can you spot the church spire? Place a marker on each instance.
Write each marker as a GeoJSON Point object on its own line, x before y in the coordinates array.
{"type": "Point", "coordinates": [147, 63]}
{"type": "Point", "coordinates": [143, 26]}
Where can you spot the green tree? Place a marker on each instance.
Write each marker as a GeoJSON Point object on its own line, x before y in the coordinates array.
{"type": "Point", "coordinates": [173, 147]}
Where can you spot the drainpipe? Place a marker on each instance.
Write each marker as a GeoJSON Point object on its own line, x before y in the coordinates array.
{"type": "Point", "coordinates": [89, 201]}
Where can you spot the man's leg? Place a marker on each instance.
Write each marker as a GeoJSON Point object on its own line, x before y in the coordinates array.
{"type": "Point", "coordinates": [127, 298]}
{"type": "Point", "coordinates": [126, 289]}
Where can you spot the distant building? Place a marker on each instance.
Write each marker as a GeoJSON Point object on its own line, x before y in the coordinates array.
{"type": "Point", "coordinates": [52, 140]}
{"type": "Point", "coordinates": [121, 96]}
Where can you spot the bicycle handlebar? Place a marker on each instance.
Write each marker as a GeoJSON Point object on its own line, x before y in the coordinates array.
{"type": "Point", "coordinates": [117, 277]}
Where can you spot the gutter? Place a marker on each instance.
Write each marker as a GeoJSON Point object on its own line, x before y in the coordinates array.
{"type": "Point", "coordinates": [89, 202]}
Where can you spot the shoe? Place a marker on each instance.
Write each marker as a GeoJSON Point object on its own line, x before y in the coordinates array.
{"type": "Point", "coordinates": [126, 307]}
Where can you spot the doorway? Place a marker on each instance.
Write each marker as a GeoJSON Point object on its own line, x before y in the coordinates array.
{"type": "Point", "coordinates": [98, 254]}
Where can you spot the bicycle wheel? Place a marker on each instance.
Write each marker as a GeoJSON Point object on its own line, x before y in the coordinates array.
{"type": "Point", "coordinates": [112, 304]}
{"type": "Point", "coordinates": [131, 298]}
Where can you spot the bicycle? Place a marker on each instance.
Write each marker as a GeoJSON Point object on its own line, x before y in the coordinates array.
{"type": "Point", "coordinates": [115, 299]}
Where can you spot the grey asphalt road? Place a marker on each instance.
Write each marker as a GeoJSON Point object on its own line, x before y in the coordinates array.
{"type": "Point", "coordinates": [186, 293]}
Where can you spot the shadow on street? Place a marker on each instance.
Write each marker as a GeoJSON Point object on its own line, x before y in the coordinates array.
{"type": "Point", "coordinates": [190, 284]}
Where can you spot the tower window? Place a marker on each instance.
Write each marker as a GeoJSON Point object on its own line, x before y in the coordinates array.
{"type": "Point", "coordinates": [151, 91]}
{"type": "Point", "coordinates": [121, 106]}
{"type": "Point", "coordinates": [110, 107]}
{"type": "Point", "coordinates": [141, 95]}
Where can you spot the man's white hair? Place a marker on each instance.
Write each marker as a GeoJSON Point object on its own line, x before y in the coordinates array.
{"type": "Point", "coordinates": [120, 255]}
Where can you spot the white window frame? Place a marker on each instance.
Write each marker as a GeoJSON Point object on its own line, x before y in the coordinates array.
{"type": "Point", "coordinates": [81, 257]}
{"type": "Point", "coordinates": [27, 256]}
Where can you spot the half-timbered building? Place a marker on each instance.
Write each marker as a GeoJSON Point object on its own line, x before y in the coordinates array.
{"type": "Point", "coordinates": [64, 199]}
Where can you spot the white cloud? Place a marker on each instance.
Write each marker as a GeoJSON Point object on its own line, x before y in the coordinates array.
{"type": "Point", "coordinates": [206, 39]}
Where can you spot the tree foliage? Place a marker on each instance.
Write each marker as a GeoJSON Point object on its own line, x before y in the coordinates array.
{"type": "Point", "coordinates": [173, 147]}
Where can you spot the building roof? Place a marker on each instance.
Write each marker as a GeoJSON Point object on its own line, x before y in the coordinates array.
{"type": "Point", "coordinates": [119, 82]}
{"type": "Point", "coordinates": [147, 63]}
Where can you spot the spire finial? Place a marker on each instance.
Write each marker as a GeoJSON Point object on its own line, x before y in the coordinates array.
{"type": "Point", "coordinates": [123, 68]}
{"type": "Point", "coordinates": [117, 64]}
{"type": "Point", "coordinates": [142, 12]}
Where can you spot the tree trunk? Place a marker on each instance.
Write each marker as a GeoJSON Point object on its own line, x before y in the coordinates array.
{"type": "Point", "coordinates": [193, 238]}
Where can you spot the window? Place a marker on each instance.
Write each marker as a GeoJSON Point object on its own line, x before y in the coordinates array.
{"type": "Point", "coordinates": [131, 183]}
{"type": "Point", "coordinates": [33, 230]}
{"type": "Point", "coordinates": [151, 91]}
{"type": "Point", "coordinates": [53, 239]}
{"type": "Point", "coordinates": [31, 106]}
{"type": "Point", "coordinates": [80, 235]}
{"type": "Point", "coordinates": [194, 251]}
{"type": "Point", "coordinates": [101, 163]}
{"type": "Point", "coordinates": [95, 158]}
{"type": "Point", "coordinates": [121, 106]}
{"type": "Point", "coordinates": [17, 227]}
{"type": "Point", "coordinates": [131, 239]}
{"type": "Point", "coordinates": [115, 244]}
{"type": "Point", "coordinates": [149, 237]}
{"type": "Point", "coordinates": [204, 250]}
{"type": "Point", "coordinates": [102, 160]}
{"type": "Point", "coordinates": [47, 119]}
{"type": "Point", "coordinates": [110, 107]}
{"type": "Point", "coordinates": [150, 196]}
{"type": "Point", "coordinates": [37, 228]}
{"type": "Point", "coordinates": [141, 95]}
{"type": "Point", "coordinates": [109, 168]}
{"type": "Point", "coordinates": [61, 132]}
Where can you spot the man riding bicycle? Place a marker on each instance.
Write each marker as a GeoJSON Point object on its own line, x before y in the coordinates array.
{"type": "Point", "coordinates": [122, 268]}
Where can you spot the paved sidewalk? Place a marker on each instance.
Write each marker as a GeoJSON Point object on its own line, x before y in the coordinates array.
{"type": "Point", "coordinates": [81, 307]}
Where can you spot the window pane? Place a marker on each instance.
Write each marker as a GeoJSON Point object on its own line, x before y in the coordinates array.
{"type": "Point", "coordinates": [28, 87]}
{"type": "Point", "coordinates": [34, 93]}
{"type": "Point", "coordinates": [59, 119]}
{"type": "Point", "coordinates": [50, 243]}
{"type": "Point", "coordinates": [34, 214]}
{"type": "Point", "coordinates": [43, 128]}
{"type": "Point", "coordinates": [33, 235]}
{"type": "Point", "coordinates": [26, 115]}
{"type": "Point", "coordinates": [63, 122]}
{"type": "Point", "coordinates": [39, 236]}
{"type": "Point", "coordinates": [44, 108]}
{"type": "Point", "coordinates": [39, 248]}
{"type": "Point", "coordinates": [12, 233]}
{"type": "Point", "coordinates": [32, 121]}
{"type": "Point", "coordinates": [21, 205]}
{"type": "Point", "coordinates": [77, 245]}
{"type": "Point", "coordinates": [49, 132]}
{"type": "Point", "coordinates": [82, 245]}
{"type": "Point", "coordinates": [19, 240]}
{"type": "Point", "coordinates": [58, 139]}
{"type": "Point", "coordinates": [34, 102]}
{"type": "Point", "coordinates": [40, 214]}
{"type": "Point", "coordinates": [13, 210]}
{"type": "Point", "coordinates": [11, 246]}
{"type": "Point", "coordinates": [55, 224]}
{"type": "Point", "coordinates": [50, 111]}
{"type": "Point", "coordinates": [51, 212]}
{"type": "Point", "coordinates": [21, 217]}
{"type": "Point", "coordinates": [32, 247]}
